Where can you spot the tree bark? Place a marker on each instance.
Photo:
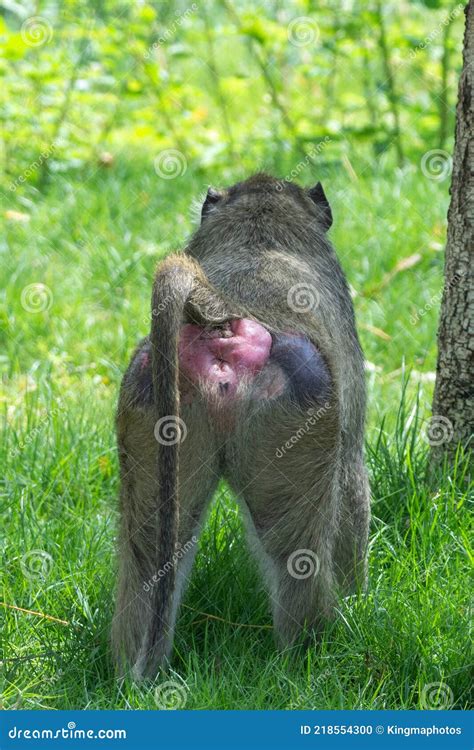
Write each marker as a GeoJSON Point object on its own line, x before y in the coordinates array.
{"type": "Point", "coordinates": [453, 403]}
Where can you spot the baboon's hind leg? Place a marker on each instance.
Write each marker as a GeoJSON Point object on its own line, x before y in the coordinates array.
{"type": "Point", "coordinates": [350, 555]}
{"type": "Point", "coordinates": [297, 566]}
{"type": "Point", "coordinates": [139, 533]}
{"type": "Point", "coordinates": [291, 498]}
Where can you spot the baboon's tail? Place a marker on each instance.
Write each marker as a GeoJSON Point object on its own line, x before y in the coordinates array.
{"type": "Point", "coordinates": [181, 292]}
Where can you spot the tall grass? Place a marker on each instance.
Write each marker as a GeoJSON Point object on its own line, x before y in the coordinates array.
{"type": "Point", "coordinates": [93, 243]}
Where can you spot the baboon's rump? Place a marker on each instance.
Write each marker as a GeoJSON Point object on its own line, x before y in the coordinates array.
{"type": "Point", "coordinates": [239, 349]}
{"type": "Point", "coordinates": [238, 369]}
{"type": "Point", "coordinates": [224, 354]}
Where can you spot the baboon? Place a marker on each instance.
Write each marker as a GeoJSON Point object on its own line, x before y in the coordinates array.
{"type": "Point", "coordinates": [252, 372]}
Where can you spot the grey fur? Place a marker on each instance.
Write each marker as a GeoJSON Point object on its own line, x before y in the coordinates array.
{"type": "Point", "coordinates": [256, 242]}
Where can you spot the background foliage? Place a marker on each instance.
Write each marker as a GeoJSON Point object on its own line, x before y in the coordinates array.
{"type": "Point", "coordinates": [116, 116]}
{"type": "Point", "coordinates": [217, 80]}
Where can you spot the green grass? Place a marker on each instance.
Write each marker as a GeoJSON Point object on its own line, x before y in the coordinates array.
{"type": "Point", "coordinates": [93, 240]}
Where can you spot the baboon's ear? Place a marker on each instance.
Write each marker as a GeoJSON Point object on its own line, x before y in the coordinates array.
{"type": "Point", "coordinates": [318, 196]}
{"type": "Point", "coordinates": [212, 198]}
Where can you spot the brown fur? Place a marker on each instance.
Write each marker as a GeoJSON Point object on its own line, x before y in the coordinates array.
{"type": "Point", "coordinates": [257, 240]}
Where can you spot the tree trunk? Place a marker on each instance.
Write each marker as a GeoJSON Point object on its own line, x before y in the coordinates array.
{"type": "Point", "coordinates": [453, 403]}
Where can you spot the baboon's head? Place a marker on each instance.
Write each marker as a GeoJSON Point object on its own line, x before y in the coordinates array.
{"type": "Point", "coordinates": [263, 194]}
